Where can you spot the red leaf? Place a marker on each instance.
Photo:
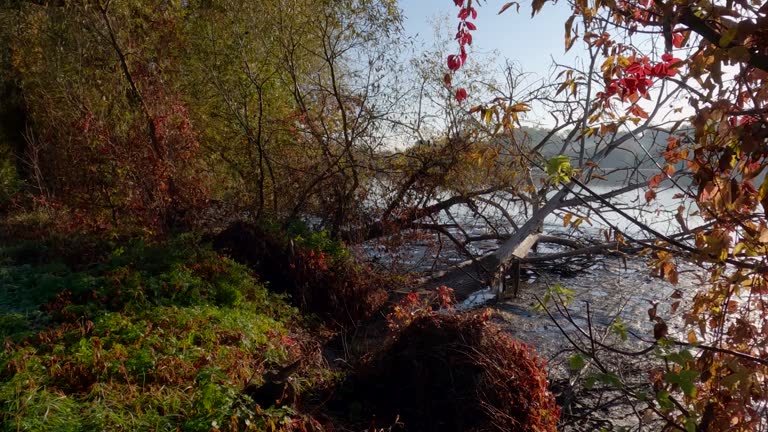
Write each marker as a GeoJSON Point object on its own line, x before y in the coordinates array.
{"type": "Point", "coordinates": [672, 143]}
{"type": "Point", "coordinates": [447, 80]}
{"type": "Point", "coordinates": [634, 69]}
{"type": "Point", "coordinates": [463, 14]}
{"type": "Point", "coordinates": [473, 12]}
{"type": "Point", "coordinates": [660, 70]}
{"type": "Point", "coordinates": [471, 26]}
{"type": "Point", "coordinates": [656, 180]}
{"type": "Point", "coordinates": [454, 62]}
{"type": "Point", "coordinates": [677, 40]}
{"type": "Point", "coordinates": [637, 111]}
{"type": "Point", "coordinates": [650, 195]}
{"type": "Point", "coordinates": [459, 3]}
{"type": "Point", "coordinates": [461, 95]}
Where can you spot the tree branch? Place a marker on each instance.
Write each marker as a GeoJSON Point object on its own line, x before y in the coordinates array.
{"type": "Point", "coordinates": [701, 27]}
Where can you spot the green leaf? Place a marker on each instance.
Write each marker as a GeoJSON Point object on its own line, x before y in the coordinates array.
{"type": "Point", "coordinates": [728, 36]}
{"type": "Point", "coordinates": [686, 379]}
{"type": "Point", "coordinates": [559, 168]}
{"type": "Point", "coordinates": [739, 53]}
{"type": "Point", "coordinates": [609, 379]}
{"type": "Point", "coordinates": [558, 164]}
{"type": "Point", "coordinates": [619, 328]}
{"type": "Point", "coordinates": [733, 379]}
{"type": "Point", "coordinates": [576, 362]}
{"type": "Point", "coordinates": [690, 424]}
{"type": "Point", "coordinates": [589, 382]}
{"type": "Point", "coordinates": [682, 357]}
{"type": "Point", "coordinates": [662, 398]}
{"type": "Point", "coordinates": [564, 294]}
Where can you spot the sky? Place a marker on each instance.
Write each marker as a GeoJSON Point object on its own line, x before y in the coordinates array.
{"type": "Point", "coordinates": [534, 43]}
{"type": "Point", "coordinates": [516, 36]}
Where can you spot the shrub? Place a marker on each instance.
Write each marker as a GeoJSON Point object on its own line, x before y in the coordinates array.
{"type": "Point", "coordinates": [459, 373]}
{"type": "Point", "coordinates": [154, 337]}
{"type": "Point", "coordinates": [319, 273]}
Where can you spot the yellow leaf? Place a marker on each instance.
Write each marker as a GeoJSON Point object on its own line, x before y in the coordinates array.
{"type": "Point", "coordinates": [740, 247]}
{"type": "Point", "coordinates": [739, 53]}
{"type": "Point", "coordinates": [521, 107]}
{"type": "Point", "coordinates": [508, 5]}
{"type": "Point", "coordinates": [692, 337]}
{"type": "Point", "coordinates": [672, 276]}
{"type": "Point", "coordinates": [624, 62]}
{"type": "Point", "coordinates": [568, 38]}
{"type": "Point", "coordinates": [608, 63]}
{"type": "Point", "coordinates": [567, 219]}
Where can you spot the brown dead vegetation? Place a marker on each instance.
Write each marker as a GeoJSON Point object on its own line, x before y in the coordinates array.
{"type": "Point", "coordinates": [341, 291]}
{"type": "Point", "coordinates": [456, 373]}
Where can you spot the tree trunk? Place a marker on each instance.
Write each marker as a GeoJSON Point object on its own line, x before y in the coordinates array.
{"type": "Point", "coordinates": [520, 243]}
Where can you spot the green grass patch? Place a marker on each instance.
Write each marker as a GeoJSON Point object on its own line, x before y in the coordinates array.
{"type": "Point", "coordinates": [153, 337]}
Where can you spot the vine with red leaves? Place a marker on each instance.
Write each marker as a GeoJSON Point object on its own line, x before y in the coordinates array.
{"type": "Point", "coordinates": [637, 78]}
{"type": "Point", "coordinates": [414, 306]}
{"type": "Point", "coordinates": [464, 37]}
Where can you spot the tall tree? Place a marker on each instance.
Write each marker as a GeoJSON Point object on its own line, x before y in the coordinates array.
{"type": "Point", "coordinates": [714, 57]}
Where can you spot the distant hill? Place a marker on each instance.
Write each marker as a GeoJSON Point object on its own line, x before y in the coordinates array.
{"type": "Point", "coordinates": [644, 148]}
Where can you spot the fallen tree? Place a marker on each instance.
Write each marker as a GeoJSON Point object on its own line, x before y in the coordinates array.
{"type": "Point", "coordinates": [514, 211]}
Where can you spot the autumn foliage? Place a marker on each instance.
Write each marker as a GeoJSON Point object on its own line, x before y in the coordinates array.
{"type": "Point", "coordinates": [715, 54]}
{"type": "Point", "coordinates": [320, 276]}
{"type": "Point", "coordinates": [459, 373]}
{"type": "Point", "coordinates": [117, 145]}
{"type": "Point", "coordinates": [464, 38]}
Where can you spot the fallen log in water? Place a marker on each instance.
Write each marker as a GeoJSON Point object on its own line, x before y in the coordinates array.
{"type": "Point", "coordinates": [476, 274]}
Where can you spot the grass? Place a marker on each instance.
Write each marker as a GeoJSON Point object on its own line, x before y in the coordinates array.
{"type": "Point", "coordinates": [151, 337]}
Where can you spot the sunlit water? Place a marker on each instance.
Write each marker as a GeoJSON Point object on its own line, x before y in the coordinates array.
{"type": "Point", "coordinates": [613, 287]}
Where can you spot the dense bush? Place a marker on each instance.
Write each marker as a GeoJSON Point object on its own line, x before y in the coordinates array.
{"type": "Point", "coordinates": [152, 338]}
{"type": "Point", "coordinates": [459, 373]}
{"type": "Point", "coordinates": [319, 273]}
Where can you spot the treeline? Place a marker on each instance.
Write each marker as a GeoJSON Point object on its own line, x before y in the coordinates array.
{"type": "Point", "coordinates": [161, 116]}
{"type": "Point", "coordinates": [143, 113]}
